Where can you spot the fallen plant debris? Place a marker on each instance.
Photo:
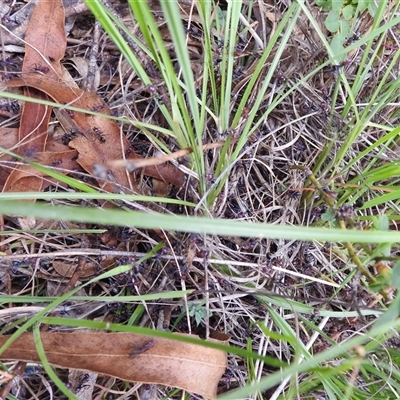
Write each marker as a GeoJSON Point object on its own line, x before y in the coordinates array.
{"type": "Point", "coordinates": [45, 47]}
{"type": "Point", "coordinates": [129, 357]}
{"type": "Point", "coordinates": [96, 138]}
{"type": "Point", "coordinates": [280, 116]}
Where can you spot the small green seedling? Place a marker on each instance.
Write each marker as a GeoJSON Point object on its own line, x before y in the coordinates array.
{"type": "Point", "coordinates": [198, 311]}
{"type": "Point", "coordinates": [340, 18]}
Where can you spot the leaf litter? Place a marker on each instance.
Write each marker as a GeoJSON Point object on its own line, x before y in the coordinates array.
{"type": "Point", "coordinates": [88, 140]}
{"type": "Point", "coordinates": [129, 357]}
{"type": "Point", "coordinates": [261, 188]}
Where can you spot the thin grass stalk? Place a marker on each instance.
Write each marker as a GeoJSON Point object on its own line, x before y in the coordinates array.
{"type": "Point", "coordinates": [193, 224]}
{"type": "Point", "coordinates": [46, 365]}
{"type": "Point", "coordinates": [105, 18]}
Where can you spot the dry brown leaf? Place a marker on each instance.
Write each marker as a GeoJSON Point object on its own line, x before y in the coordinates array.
{"type": "Point", "coordinates": [56, 155]}
{"type": "Point", "coordinates": [61, 159]}
{"type": "Point", "coordinates": [100, 138]}
{"type": "Point", "coordinates": [25, 177]}
{"type": "Point", "coordinates": [8, 140]}
{"type": "Point", "coordinates": [45, 46]}
{"type": "Point", "coordinates": [129, 357]}
{"type": "Point", "coordinates": [31, 140]}
{"type": "Point", "coordinates": [67, 268]}
{"type": "Point", "coordinates": [160, 188]}
{"type": "Point", "coordinates": [46, 38]}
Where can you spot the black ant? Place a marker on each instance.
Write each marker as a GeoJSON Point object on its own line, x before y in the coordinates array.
{"type": "Point", "coordinates": [255, 137]}
{"type": "Point", "coordinates": [68, 136]}
{"type": "Point", "coordinates": [237, 73]}
{"type": "Point", "coordinates": [240, 46]}
{"type": "Point", "coordinates": [210, 177]}
{"type": "Point", "coordinates": [324, 92]}
{"type": "Point", "coordinates": [97, 107]}
{"type": "Point", "coordinates": [152, 89]}
{"type": "Point", "coordinates": [292, 194]}
{"type": "Point", "coordinates": [56, 163]}
{"type": "Point", "coordinates": [30, 153]}
{"type": "Point", "coordinates": [83, 383]}
{"type": "Point", "coordinates": [193, 30]}
{"type": "Point", "coordinates": [135, 281]}
{"type": "Point", "coordinates": [39, 68]}
{"type": "Point", "coordinates": [324, 108]}
{"type": "Point", "coordinates": [184, 273]}
{"type": "Point", "coordinates": [128, 151]}
{"type": "Point", "coordinates": [245, 112]}
{"type": "Point", "coordinates": [352, 39]}
{"type": "Point", "coordinates": [329, 192]}
{"type": "Point", "coordinates": [70, 113]}
{"type": "Point", "coordinates": [338, 67]}
{"type": "Point", "coordinates": [315, 313]}
{"type": "Point", "coordinates": [155, 94]}
{"type": "Point", "coordinates": [99, 135]}
{"type": "Point", "coordinates": [280, 79]}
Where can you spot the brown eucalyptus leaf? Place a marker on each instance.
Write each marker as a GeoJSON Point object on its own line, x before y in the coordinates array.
{"type": "Point", "coordinates": [68, 268]}
{"type": "Point", "coordinates": [25, 178]}
{"type": "Point", "coordinates": [129, 357]}
{"type": "Point", "coordinates": [8, 140]}
{"type": "Point", "coordinates": [32, 136]}
{"type": "Point", "coordinates": [46, 38]}
{"type": "Point", "coordinates": [45, 46]}
{"type": "Point", "coordinates": [100, 138]}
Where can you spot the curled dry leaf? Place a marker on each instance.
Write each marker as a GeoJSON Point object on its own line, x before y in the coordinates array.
{"type": "Point", "coordinates": [24, 178]}
{"type": "Point", "coordinates": [16, 31]}
{"type": "Point", "coordinates": [67, 269]}
{"type": "Point", "coordinates": [31, 140]}
{"type": "Point", "coordinates": [99, 138]}
{"type": "Point", "coordinates": [8, 140]}
{"type": "Point", "coordinates": [46, 44]}
{"type": "Point", "coordinates": [56, 156]}
{"type": "Point", "coordinates": [129, 357]}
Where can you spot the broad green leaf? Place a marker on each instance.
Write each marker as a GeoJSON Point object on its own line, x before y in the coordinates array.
{"type": "Point", "coordinates": [337, 5]}
{"type": "Point", "coordinates": [344, 28]}
{"type": "Point", "coordinates": [326, 5]}
{"type": "Point", "coordinates": [337, 43]}
{"type": "Point", "coordinates": [362, 5]}
{"type": "Point", "coordinates": [328, 216]}
{"type": "Point", "coordinates": [332, 21]}
{"type": "Point", "coordinates": [348, 12]}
